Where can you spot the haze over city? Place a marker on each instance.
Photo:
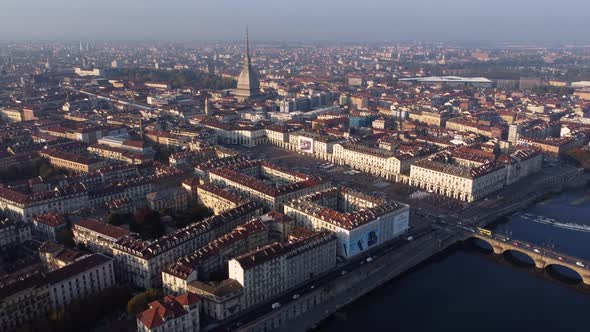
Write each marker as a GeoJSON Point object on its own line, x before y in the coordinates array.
{"type": "Point", "coordinates": [303, 20]}
{"type": "Point", "coordinates": [301, 166]}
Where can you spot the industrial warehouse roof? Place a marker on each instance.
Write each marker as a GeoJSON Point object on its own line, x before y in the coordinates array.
{"type": "Point", "coordinates": [446, 79]}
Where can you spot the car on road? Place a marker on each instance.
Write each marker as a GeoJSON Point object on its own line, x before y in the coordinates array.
{"type": "Point", "coordinates": [276, 305]}
{"type": "Point", "coordinates": [369, 259]}
{"type": "Point", "coordinates": [560, 258]}
{"type": "Point", "coordinates": [537, 250]}
{"type": "Point", "coordinates": [580, 264]}
{"type": "Point", "coordinates": [295, 296]}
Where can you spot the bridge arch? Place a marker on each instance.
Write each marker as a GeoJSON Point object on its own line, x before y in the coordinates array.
{"type": "Point", "coordinates": [482, 244]}
{"type": "Point", "coordinates": [487, 244]}
{"type": "Point", "coordinates": [519, 256]}
{"type": "Point", "coordinates": [564, 273]}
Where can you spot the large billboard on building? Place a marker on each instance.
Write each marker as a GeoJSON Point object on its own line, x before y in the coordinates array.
{"type": "Point", "coordinates": [306, 144]}
{"type": "Point", "coordinates": [361, 240]}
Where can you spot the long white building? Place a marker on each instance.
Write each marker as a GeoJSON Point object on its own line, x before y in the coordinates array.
{"type": "Point", "coordinates": [470, 180]}
{"type": "Point", "coordinates": [141, 262]}
{"type": "Point", "coordinates": [277, 267]}
{"type": "Point", "coordinates": [359, 221]}
{"type": "Point", "coordinates": [265, 183]}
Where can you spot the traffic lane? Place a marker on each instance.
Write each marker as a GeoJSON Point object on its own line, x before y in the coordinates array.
{"type": "Point", "coordinates": [312, 285]}
{"type": "Point", "coordinates": [529, 247]}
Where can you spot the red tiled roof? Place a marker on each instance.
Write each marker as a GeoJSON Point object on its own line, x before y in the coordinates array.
{"type": "Point", "coordinates": [167, 308]}
{"type": "Point", "coordinates": [102, 228]}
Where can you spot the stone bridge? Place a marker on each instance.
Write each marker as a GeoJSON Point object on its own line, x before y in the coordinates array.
{"type": "Point", "coordinates": [541, 256]}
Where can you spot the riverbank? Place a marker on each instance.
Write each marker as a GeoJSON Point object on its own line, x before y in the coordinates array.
{"type": "Point", "coordinates": [308, 311]}
{"type": "Point", "coordinates": [467, 286]}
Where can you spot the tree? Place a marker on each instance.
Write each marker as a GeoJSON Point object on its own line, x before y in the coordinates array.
{"type": "Point", "coordinates": [66, 237]}
{"type": "Point", "coordinates": [162, 153]}
{"type": "Point", "coordinates": [115, 219]}
{"type": "Point", "coordinates": [82, 314]}
{"type": "Point", "coordinates": [147, 223]}
{"type": "Point", "coordinates": [139, 302]}
{"type": "Point", "coordinates": [46, 171]}
{"type": "Point", "coordinates": [196, 213]}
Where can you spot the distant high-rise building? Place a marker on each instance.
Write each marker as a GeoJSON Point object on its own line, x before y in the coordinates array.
{"type": "Point", "coordinates": [248, 84]}
{"type": "Point", "coordinates": [206, 105]}
{"type": "Point", "coordinates": [528, 83]}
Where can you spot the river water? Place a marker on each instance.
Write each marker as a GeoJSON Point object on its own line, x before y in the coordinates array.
{"type": "Point", "coordinates": [468, 289]}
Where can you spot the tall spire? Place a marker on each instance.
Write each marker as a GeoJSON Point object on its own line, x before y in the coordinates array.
{"type": "Point", "coordinates": [248, 83]}
{"type": "Point", "coordinates": [247, 55]}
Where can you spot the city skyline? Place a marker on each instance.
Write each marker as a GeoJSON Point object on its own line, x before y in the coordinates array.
{"type": "Point", "coordinates": [371, 21]}
{"type": "Point", "coordinates": [316, 179]}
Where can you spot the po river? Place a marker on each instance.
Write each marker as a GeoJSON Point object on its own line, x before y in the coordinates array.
{"type": "Point", "coordinates": [467, 288]}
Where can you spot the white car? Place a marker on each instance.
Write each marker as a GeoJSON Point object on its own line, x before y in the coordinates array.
{"type": "Point", "coordinates": [295, 296]}
{"type": "Point", "coordinates": [579, 264]}
{"type": "Point", "coordinates": [537, 250]}
{"type": "Point", "coordinates": [369, 259]}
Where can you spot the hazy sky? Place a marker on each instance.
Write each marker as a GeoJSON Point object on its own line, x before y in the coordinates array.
{"type": "Point", "coordinates": [305, 20]}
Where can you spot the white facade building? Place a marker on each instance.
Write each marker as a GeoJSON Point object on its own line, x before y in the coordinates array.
{"type": "Point", "coordinates": [359, 221]}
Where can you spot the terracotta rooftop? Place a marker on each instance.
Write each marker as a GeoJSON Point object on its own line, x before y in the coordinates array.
{"type": "Point", "coordinates": [277, 249]}
{"type": "Point", "coordinates": [168, 308]}
{"type": "Point", "coordinates": [102, 228]}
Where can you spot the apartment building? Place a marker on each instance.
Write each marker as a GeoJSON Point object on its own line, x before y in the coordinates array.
{"type": "Point", "coordinates": [314, 144]}
{"type": "Point", "coordinates": [430, 117]}
{"type": "Point", "coordinates": [278, 135]}
{"type": "Point", "coordinates": [55, 256]}
{"type": "Point", "coordinates": [441, 175]}
{"type": "Point", "coordinates": [13, 232]}
{"type": "Point", "coordinates": [82, 278]}
{"type": "Point", "coordinates": [212, 258]}
{"type": "Point", "coordinates": [73, 161]}
{"type": "Point", "coordinates": [374, 161]}
{"type": "Point", "coordinates": [178, 314]}
{"type": "Point", "coordinates": [220, 299]}
{"type": "Point", "coordinates": [170, 199]}
{"type": "Point", "coordinates": [11, 114]}
{"type": "Point", "coordinates": [116, 153]}
{"type": "Point", "coordinates": [554, 146]}
{"type": "Point", "coordinates": [23, 301]}
{"type": "Point", "coordinates": [359, 221]}
{"type": "Point", "coordinates": [82, 132]}
{"type": "Point", "coordinates": [36, 295]}
{"type": "Point", "coordinates": [275, 268]}
{"type": "Point", "coordinates": [469, 178]}
{"type": "Point", "coordinates": [97, 236]}
{"type": "Point", "coordinates": [48, 225]}
{"type": "Point", "coordinates": [27, 206]}
{"type": "Point", "coordinates": [266, 183]}
{"type": "Point", "coordinates": [218, 199]}
{"type": "Point", "coordinates": [240, 133]}
{"type": "Point", "coordinates": [141, 262]}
